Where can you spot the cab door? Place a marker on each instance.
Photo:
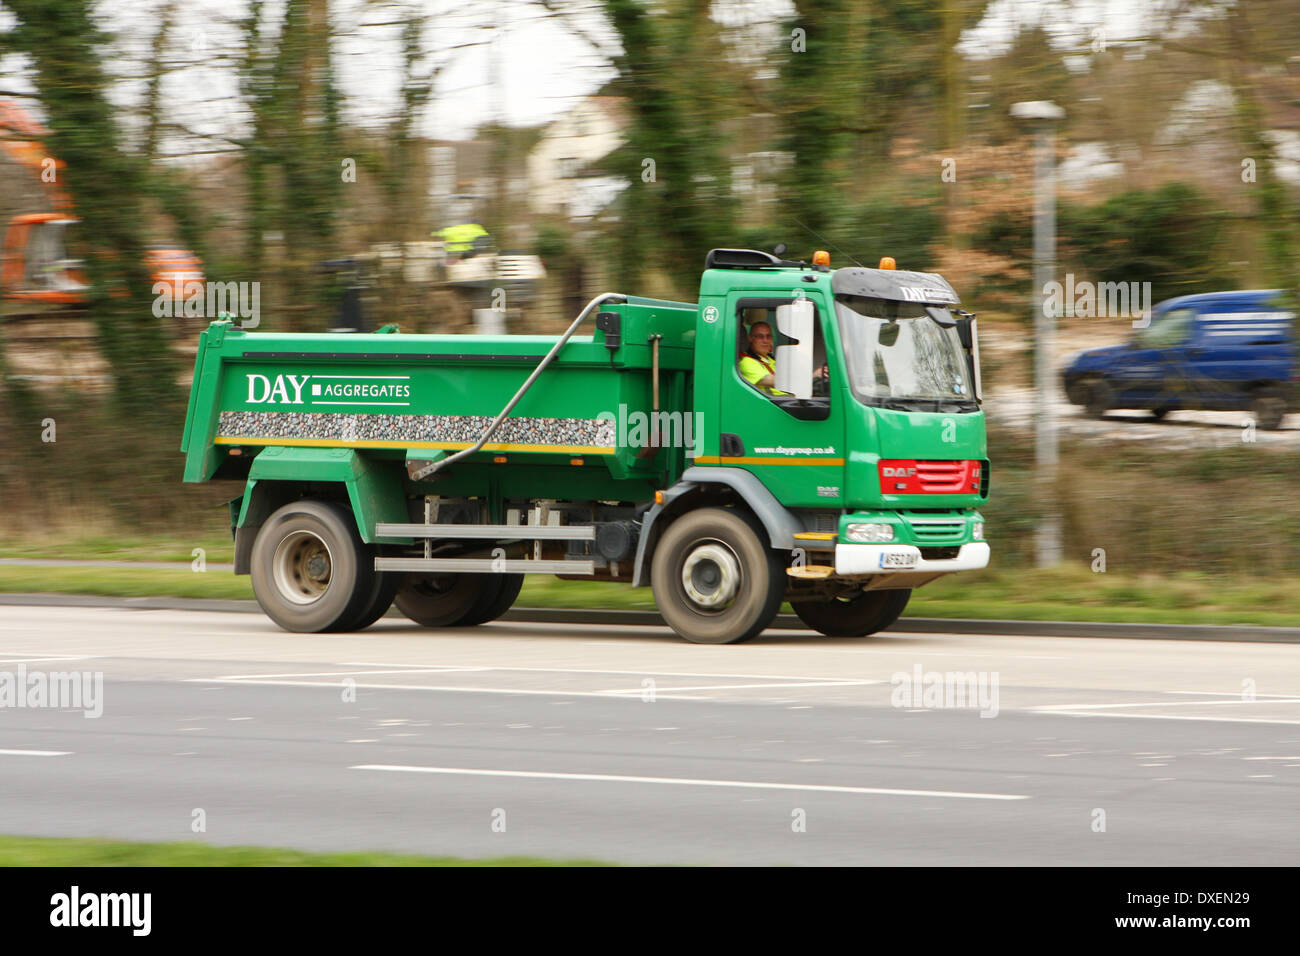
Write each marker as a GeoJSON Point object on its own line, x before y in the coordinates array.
{"type": "Point", "coordinates": [794, 446]}
{"type": "Point", "coordinates": [1152, 371]}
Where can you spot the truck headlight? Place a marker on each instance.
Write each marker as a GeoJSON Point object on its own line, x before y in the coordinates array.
{"type": "Point", "coordinates": [869, 532]}
{"type": "Point", "coordinates": [977, 531]}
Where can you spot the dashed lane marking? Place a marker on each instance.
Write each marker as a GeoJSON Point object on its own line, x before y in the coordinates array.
{"type": "Point", "coordinates": [35, 753]}
{"type": "Point", "coordinates": [691, 782]}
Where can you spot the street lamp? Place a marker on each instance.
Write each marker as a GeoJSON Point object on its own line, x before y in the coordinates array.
{"type": "Point", "coordinates": [1042, 117]}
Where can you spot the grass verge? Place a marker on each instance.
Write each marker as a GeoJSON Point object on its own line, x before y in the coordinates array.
{"type": "Point", "coordinates": [49, 851]}
{"type": "Point", "coordinates": [1068, 593]}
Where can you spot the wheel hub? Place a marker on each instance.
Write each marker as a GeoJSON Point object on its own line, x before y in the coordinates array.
{"type": "Point", "coordinates": [302, 567]}
{"type": "Point", "coordinates": [711, 575]}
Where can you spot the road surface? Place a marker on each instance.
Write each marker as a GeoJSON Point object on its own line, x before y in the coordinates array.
{"type": "Point", "coordinates": [626, 744]}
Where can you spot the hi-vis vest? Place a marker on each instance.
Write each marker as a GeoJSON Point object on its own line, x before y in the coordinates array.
{"type": "Point", "coordinates": [460, 239]}
{"type": "Point", "coordinates": [754, 367]}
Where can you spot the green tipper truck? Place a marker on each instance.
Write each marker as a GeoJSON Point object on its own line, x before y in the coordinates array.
{"type": "Point", "coordinates": [437, 470]}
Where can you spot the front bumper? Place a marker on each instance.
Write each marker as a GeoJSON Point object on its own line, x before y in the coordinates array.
{"type": "Point", "coordinates": [861, 559]}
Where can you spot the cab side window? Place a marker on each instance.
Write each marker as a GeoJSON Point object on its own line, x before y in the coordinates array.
{"type": "Point", "coordinates": [756, 360]}
{"type": "Point", "coordinates": [1173, 328]}
{"type": "Point", "coordinates": [758, 337]}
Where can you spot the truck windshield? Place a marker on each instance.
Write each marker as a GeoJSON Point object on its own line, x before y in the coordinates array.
{"type": "Point", "coordinates": [899, 357]}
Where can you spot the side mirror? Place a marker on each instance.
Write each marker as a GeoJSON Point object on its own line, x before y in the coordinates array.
{"type": "Point", "coordinates": [794, 362]}
{"type": "Point", "coordinates": [970, 341]}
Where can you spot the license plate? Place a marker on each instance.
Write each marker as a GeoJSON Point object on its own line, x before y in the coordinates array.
{"type": "Point", "coordinates": [897, 559]}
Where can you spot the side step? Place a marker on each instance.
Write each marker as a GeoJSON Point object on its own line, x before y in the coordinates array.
{"type": "Point", "coordinates": [500, 532]}
{"type": "Point", "coordinates": [486, 565]}
{"type": "Point", "coordinates": [490, 532]}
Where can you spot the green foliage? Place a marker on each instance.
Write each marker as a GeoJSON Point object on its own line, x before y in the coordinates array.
{"type": "Point", "coordinates": [818, 113]}
{"type": "Point", "coordinates": [107, 183]}
{"type": "Point", "coordinates": [551, 243]}
{"type": "Point", "coordinates": [1168, 236]}
{"type": "Point", "coordinates": [844, 98]}
{"type": "Point", "coordinates": [680, 181]}
{"type": "Point", "coordinates": [886, 225]}
{"type": "Point", "coordinates": [50, 851]}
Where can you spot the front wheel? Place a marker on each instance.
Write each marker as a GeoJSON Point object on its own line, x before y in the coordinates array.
{"type": "Point", "coordinates": [715, 579]}
{"type": "Point", "coordinates": [859, 616]}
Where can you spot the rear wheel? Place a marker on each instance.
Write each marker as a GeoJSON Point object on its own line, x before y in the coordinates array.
{"type": "Point", "coordinates": [859, 616]}
{"type": "Point", "coordinates": [510, 586]}
{"type": "Point", "coordinates": [1268, 405]}
{"type": "Point", "coordinates": [715, 579]}
{"type": "Point", "coordinates": [457, 600]}
{"type": "Point", "coordinates": [310, 570]}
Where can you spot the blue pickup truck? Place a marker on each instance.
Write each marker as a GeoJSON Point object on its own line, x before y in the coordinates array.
{"type": "Point", "coordinates": [1219, 350]}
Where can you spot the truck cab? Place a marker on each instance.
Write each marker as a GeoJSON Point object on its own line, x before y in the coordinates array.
{"type": "Point", "coordinates": [873, 446]}
{"type": "Point", "coordinates": [1218, 351]}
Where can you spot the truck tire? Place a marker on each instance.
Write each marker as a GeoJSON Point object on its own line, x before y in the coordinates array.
{"type": "Point", "coordinates": [865, 614]}
{"type": "Point", "coordinates": [1268, 405]}
{"type": "Point", "coordinates": [1098, 397]}
{"type": "Point", "coordinates": [448, 600]}
{"type": "Point", "coordinates": [715, 579]}
{"type": "Point", "coordinates": [385, 590]}
{"type": "Point", "coordinates": [511, 584]}
{"type": "Point", "coordinates": [311, 571]}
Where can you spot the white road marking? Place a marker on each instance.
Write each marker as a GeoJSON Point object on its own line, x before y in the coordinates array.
{"type": "Point", "coordinates": [691, 782]}
{"type": "Point", "coordinates": [1219, 720]}
{"type": "Point", "coordinates": [1162, 703]}
{"type": "Point", "coordinates": [659, 695]}
{"type": "Point", "coordinates": [633, 670]}
{"type": "Point", "coordinates": [33, 660]}
{"type": "Point", "coordinates": [1270, 758]}
{"type": "Point", "coordinates": [1220, 693]}
{"type": "Point", "coordinates": [958, 655]}
{"type": "Point", "coordinates": [431, 670]}
{"type": "Point", "coordinates": [35, 753]}
{"type": "Point", "coordinates": [769, 686]}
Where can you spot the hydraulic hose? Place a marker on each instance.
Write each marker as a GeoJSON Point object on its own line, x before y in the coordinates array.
{"type": "Point", "coordinates": [496, 422]}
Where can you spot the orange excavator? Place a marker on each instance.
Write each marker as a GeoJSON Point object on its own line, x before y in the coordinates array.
{"type": "Point", "coordinates": [43, 291]}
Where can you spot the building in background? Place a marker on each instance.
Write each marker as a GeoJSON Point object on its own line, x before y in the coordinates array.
{"type": "Point", "coordinates": [560, 180]}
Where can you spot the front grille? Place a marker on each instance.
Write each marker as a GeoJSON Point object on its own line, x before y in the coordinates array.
{"type": "Point", "coordinates": [937, 530]}
{"type": "Point", "coordinates": [942, 477]}
{"type": "Point", "coordinates": [910, 476]}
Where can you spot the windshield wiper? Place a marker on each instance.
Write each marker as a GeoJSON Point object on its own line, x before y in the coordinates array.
{"type": "Point", "coordinates": [926, 405]}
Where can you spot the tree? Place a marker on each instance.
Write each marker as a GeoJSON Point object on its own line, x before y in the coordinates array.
{"type": "Point", "coordinates": [677, 204]}
{"type": "Point", "coordinates": [107, 184]}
